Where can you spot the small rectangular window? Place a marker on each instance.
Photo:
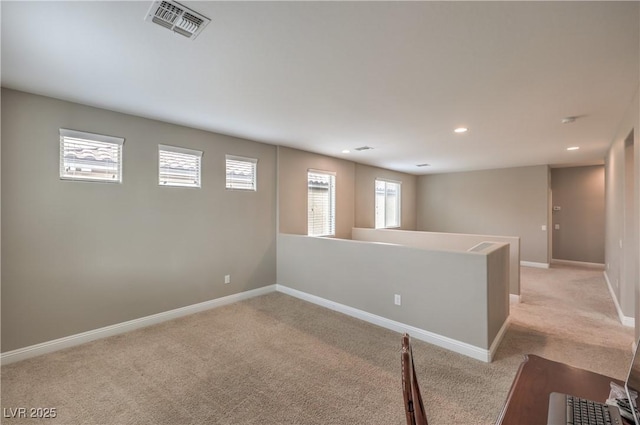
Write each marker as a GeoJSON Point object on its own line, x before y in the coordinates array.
{"type": "Point", "coordinates": [321, 203]}
{"type": "Point", "coordinates": [387, 209]}
{"type": "Point", "coordinates": [178, 166]}
{"type": "Point", "coordinates": [241, 173]}
{"type": "Point", "coordinates": [89, 156]}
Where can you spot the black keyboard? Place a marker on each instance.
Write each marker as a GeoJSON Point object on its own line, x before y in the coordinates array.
{"type": "Point", "coordinates": [586, 412]}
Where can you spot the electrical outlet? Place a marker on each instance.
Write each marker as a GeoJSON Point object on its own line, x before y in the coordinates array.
{"type": "Point", "coordinates": [397, 299]}
{"type": "Point", "coordinates": [227, 278]}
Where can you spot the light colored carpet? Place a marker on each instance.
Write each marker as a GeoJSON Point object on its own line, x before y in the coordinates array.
{"type": "Point", "coordinates": [279, 360]}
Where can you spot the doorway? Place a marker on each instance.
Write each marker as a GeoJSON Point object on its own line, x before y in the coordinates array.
{"type": "Point", "coordinates": [628, 243]}
{"type": "Point", "coordinates": [578, 214]}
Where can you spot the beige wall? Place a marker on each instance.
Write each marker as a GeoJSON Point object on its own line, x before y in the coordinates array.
{"type": "Point", "coordinates": [354, 192]}
{"type": "Point", "coordinates": [623, 236]}
{"type": "Point", "coordinates": [635, 111]}
{"type": "Point", "coordinates": [77, 256]}
{"type": "Point", "coordinates": [504, 202]}
{"type": "Point", "coordinates": [293, 165]}
{"type": "Point", "coordinates": [579, 193]}
{"type": "Point", "coordinates": [365, 196]}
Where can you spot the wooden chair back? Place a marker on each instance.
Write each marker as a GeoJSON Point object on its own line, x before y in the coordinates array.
{"type": "Point", "coordinates": [413, 405]}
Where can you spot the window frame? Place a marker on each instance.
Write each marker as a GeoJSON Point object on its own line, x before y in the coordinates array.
{"type": "Point", "coordinates": [181, 151]}
{"type": "Point", "coordinates": [254, 173]}
{"type": "Point", "coordinates": [97, 139]}
{"type": "Point", "coordinates": [398, 203]}
{"type": "Point", "coordinates": [331, 225]}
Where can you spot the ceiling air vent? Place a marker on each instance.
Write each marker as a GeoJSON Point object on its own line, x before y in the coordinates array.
{"type": "Point", "coordinates": [481, 247]}
{"type": "Point", "coordinates": [364, 148]}
{"type": "Point", "coordinates": [176, 17]}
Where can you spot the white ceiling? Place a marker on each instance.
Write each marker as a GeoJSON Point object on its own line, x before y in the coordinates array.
{"type": "Point", "coordinates": [328, 76]}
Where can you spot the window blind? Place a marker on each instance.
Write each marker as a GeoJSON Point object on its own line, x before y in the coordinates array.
{"type": "Point", "coordinates": [90, 156]}
{"type": "Point", "coordinates": [387, 200]}
{"type": "Point", "coordinates": [321, 209]}
{"type": "Point", "coordinates": [179, 166]}
{"type": "Point", "coordinates": [241, 172]}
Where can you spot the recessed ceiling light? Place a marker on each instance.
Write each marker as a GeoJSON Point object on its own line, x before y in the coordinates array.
{"type": "Point", "coordinates": [573, 148]}
{"type": "Point", "coordinates": [461, 130]}
{"type": "Point", "coordinates": [346, 151]}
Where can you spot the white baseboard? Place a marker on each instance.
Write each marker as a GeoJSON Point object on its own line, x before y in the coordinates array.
{"type": "Point", "coordinates": [421, 334]}
{"type": "Point", "coordinates": [598, 266]}
{"type": "Point", "coordinates": [534, 264]}
{"type": "Point", "coordinates": [498, 339]}
{"type": "Point", "coordinates": [119, 328]}
{"type": "Point", "coordinates": [514, 299]}
{"type": "Point", "coordinates": [625, 320]}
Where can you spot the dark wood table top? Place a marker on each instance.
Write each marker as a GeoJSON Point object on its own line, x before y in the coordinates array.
{"type": "Point", "coordinates": [528, 399]}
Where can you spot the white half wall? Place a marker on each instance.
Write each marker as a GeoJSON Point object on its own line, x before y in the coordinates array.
{"type": "Point", "coordinates": [459, 296]}
{"type": "Point", "coordinates": [446, 241]}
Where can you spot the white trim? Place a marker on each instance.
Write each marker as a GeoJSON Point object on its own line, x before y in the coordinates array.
{"type": "Point", "coordinates": [534, 264]}
{"type": "Point", "coordinates": [241, 158]}
{"type": "Point", "coordinates": [498, 339]}
{"type": "Point", "coordinates": [598, 266]}
{"type": "Point", "coordinates": [178, 149]}
{"type": "Point", "coordinates": [85, 135]}
{"type": "Point", "coordinates": [625, 320]}
{"type": "Point", "coordinates": [315, 170]}
{"type": "Point", "coordinates": [119, 328]}
{"type": "Point", "coordinates": [389, 180]}
{"type": "Point", "coordinates": [514, 299]}
{"type": "Point", "coordinates": [421, 334]}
